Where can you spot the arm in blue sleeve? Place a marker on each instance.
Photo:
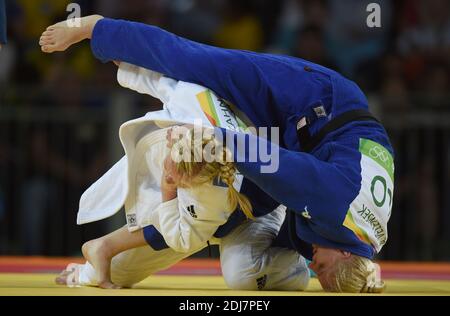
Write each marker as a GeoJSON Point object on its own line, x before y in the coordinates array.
{"type": "Point", "coordinates": [229, 73]}
{"type": "Point", "coordinates": [296, 179]}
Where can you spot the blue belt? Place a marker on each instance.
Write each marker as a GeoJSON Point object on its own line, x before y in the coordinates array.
{"type": "Point", "coordinates": [308, 142]}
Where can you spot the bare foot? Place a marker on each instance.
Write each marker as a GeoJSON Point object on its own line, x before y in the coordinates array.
{"type": "Point", "coordinates": [61, 279]}
{"type": "Point", "coordinates": [59, 37]}
{"type": "Point", "coordinates": [97, 253]}
{"type": "Point", "coordinates": [70, 276]}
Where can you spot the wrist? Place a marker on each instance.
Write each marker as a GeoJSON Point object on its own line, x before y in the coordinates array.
{"type": "Point", "coordinates": [169, 195]}
{"type": "Point", "coordinates": [168, 191]}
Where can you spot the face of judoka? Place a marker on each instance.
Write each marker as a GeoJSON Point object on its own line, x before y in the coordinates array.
{"type": "Point", "coordinates": [324, 264]}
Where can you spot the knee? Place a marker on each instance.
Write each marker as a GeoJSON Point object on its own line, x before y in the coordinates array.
{"type": "Point", "coordinates": [241, 282]}
{"type": "Point", "coordinates": [243, 277]}
{"type": "Point", "coordinates": [259, 281]}
{"type": "Point", "coordinates": [257, 275]}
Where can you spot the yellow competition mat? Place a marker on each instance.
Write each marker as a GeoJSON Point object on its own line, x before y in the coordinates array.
{"type": "Point", "coordinates": [165, 285]}
{"type": "Point", "coordinates": [35, 277]}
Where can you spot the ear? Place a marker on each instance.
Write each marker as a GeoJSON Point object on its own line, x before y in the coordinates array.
{"type": "Point", "coordinates": [346, 254]}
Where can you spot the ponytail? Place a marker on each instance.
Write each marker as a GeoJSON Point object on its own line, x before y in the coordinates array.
{"type": "Point", "coordinates": [235, 198]}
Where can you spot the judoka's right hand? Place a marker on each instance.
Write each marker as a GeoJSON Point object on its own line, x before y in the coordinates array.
{"type": "Point", "coordinates": [168, 186]}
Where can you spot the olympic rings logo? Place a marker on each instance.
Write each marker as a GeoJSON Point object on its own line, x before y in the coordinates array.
{"type": "Point", "coordinates": [377, 152]}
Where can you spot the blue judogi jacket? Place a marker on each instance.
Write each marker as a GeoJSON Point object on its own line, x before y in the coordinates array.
{"type": "Point", "coordinates": [273, 91]}
{"type": "Point", "coordinates": [2, 22]}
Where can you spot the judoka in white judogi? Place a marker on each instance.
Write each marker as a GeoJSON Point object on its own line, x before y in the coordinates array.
{"type": "Point", "coordinates": [247, 260]}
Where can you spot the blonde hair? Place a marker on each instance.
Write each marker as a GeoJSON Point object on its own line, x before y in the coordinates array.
{"type": "Point", "coordinates": [357, 275]}
{"type": "Point", "coordinates": [195, 172]}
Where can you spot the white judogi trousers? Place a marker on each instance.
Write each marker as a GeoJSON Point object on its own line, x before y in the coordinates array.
{"type": "Point", "coordinates": [248, 261]}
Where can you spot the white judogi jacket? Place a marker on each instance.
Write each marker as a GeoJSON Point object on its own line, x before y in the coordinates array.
{"type": "Point", "coordinates": [190, 220]}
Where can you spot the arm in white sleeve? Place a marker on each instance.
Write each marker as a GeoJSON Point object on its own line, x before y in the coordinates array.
{"type": "Point", "coordinates": [145, 81]}
{"type": "Point", "coordinates": [189, 221]}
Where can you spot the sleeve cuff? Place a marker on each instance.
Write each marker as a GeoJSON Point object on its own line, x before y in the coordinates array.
{"type": "Point", "coordinates": [124, 73]}
{"type": "Point", "coordinates": [154, 238]}
{"type": "Point", "coordinates": [98, 34]}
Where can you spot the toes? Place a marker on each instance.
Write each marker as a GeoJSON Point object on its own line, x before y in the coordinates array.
{"type": "Point", "coordinates": [109, 286]}
{"type": "Point", "coordinates": [49, 48]}
{"type": "Point", "coordinates": [48, 34]}
{"type": "Point", "coordinates": [47, 38]}
{"type": "Point", "coordinates": [52, 48]}
{"type": "Point", "coordinates": [60, 280]}
{"type": "Point", "coordinates": [44, 41]}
